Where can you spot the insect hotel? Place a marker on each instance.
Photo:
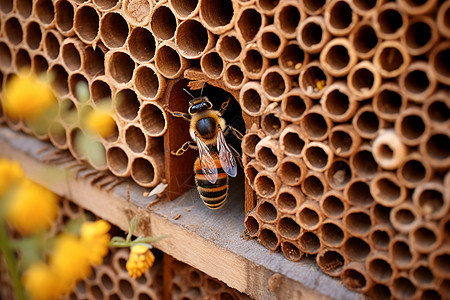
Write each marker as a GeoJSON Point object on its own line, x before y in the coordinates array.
{"type": "Point", "coordinates": [295, 149]}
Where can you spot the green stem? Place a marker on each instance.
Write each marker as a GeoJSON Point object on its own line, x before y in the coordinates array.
{"type": "Point", "coordinates": [11, 262]}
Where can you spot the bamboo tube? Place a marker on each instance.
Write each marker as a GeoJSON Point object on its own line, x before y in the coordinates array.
{"type": "Point", "coordinates": [425, 237]}
{"type": "Point", "coordinates": [268, 237]}
{"type": "Point", "coordinates": [119, 259]}
{"type": "Point", "coordinates": [24, 9]}
{"type": "Point", "coordinates": [252, 169]}
{"type": "Point", "coordinates": [51, 44]}
{"type": "Point", "coordinates": [339, 174]}
{"type": "Point", "coordinates": [343, 140]}
{"type": "Point", "coordinates": [403, 288]}
{"type": "Point", "coordinates": [388, 102]}
{"type": "Point", "coordinates": [212, 64]}
{"type": "Point", "coordinates": [126, 104]}
{"type": "Point", "coordinates": [272, 124]}
{"type": "Point", "coordinates": [252, 224]}
{"type": "Point", "coordinates": [293, 58]}
{"type": "Point", "coordinates": [184, 9]}
{"type": "Point", "coordinates": [421, 275]}
{"type": "Point", "coordinates": [270, 42]}
{"type": "Point", "coordinates": [148, 171]}
{"type": "Point", "coordinates": [314, 185]}
{"type": "Point", "coordinates": [354, 276]}
{"type": "Point", "coordinates": [149, 84]}
{"type": "Point", "coordinates": [118, 161]}
{"type": "Point", "coordinates": [100, 90]}
{"type": "Point", "coordinates": [331, 261]}
{"type": "Point", "coordinates": [366, 122]}
{"type": "Point", "coordinates": [22, 60]}
{"type": "Point", "coordinates": [294, 105]}
{"type": "Point", "coordinates": [429, 294]}
{"type": "Point", "coordinates": [169, 62]}
{"type": "Point", "coordinates": [356, 249]}
{"type": "Point", "coordinates": [313, 80]}
{"type": "Point", "coordinates": [267, 184]}
{"type": "Point", "coordinates": [380, 236]}
{"type": "Point", "coordinates": [120, 67]}
{"type": "Point", "coordinates": [312, 34]}
{"type": "Point", "coordinates": [135, 139]}
{"type": "Point", "coordinates": [137, 13]}
{"type": "Point", "coordinates": [439, 261]}
{"type": "Point", "coordinates": [391, 59]}
{"type": "Point", "coordinates": [68, 111]}
{"type": "Point", "coordinates": [338, 56]}
{"type": "Point", "coordinates": [387, 190]}
{"type": "Point", "coordinates": [414, 170]}
{"type": "Point", "coordinates": [254, 63]}
{"type": "Point", "coordinates": [142, 45]}
{"type": "Point", "coordinates": [421, 35]}
{"type": "Point", "coordinates": [5, 58]}
{"type": "Point", "coordinates": [267, 7]}
{"type": "Point", "coordinates": [333, 204]}
{"type": "Point", "coordinates": [44, 12]}
{"type": "Point", "coordinates": [379, 291]}
{"type": "Point", "coordinates": [250, 140]}
{"type": "Point", "coordinates": [288, 15]}
{"type": "Point", "coordinates": [275, 83]}
{"type": "Point", "coordinates": [432, 199]}
{"type": "Point", "coordinates": [332, 233]}
{"type": "Point", "coordinates": [417, 8]}
{"type": "Point", "coordinates": [291, 251]}
{"type": "Point", "coordinates": [364, 80]}
{"type": "Point", "coordinates": [93, 62]}
{"type": "Point", "coordinates": [233, 77]}
{"type": "Point", "coordinates": [357, 222]}
{"type": "Point", "coordinates": [402, 256]}
{"type": "Point", "coordinates": [163, 23]}
{"type": "Point", "coordinates": [193, 40]}
{"type": "Point", "coordinates": [442, 19]}
{"type": "Point", "coordinates": [315, 124]}
{"type": "Point", "coordinates": [363, 163]}
{"type": "Point", "coordinates": [380, 214]}
{"type": "Point", "coordinates": [13, 31]}
{"type": "Point", "coordinates": [437, 109]}
{"type": "Point", "coordinates": [390, 21]}
{"type": "Point", "coordinates": [229, 46]}
{"type": "Point", "coordinates": [338, 103]}
{"type": "Point", "coordinates": [340, 18]}
{"type": "Point", "coordinates": [195, 278]}
{"type": "Point", "coordinates": [289, 199]}
{"type": "Point", "coordinates": [444, 227]}
{"type": "Point", "coordinates": [218, 16]}
{"type": "Point", "coordinates": [404, 217]}
{"type": "Point", "coordinates": [114, 30]}
{"type": "Point", "coordinates": [378, 266]}
{"type": "Point", "coordinates": [252, 99]}
{"type": "Point", "coordinates": [388, 149]}
{"type": "Point", "coordinates": [32, 35]}
{"type": "Point", "coordinates": [75, 80]}
{"type": "Point", "coordinates": [317, 156]}
{"type": "Point", "coordinates": [364, 39]}
{"type": "Point", "coordinates": [250, 20]}
{"type": "Point", "coordinates": [366, 8]}
{"type": "Point", "coordinates": [438, 57]}
{"type": "Point", "coordinates": [418, 82]}
{"type": "Point", "coordinates": [75, 134]}
{"type": "Point", "coordinates": [292, 140]}
{"type": "Point", "coordinates": [71, 52]}
{"type": "Point", "coordinates": [309, 215]}
{"type": "Point", "coordinates": [288, 228]}
{"type": "Point", "coordinates": [39, 64]}
{"type": "Point", "coordinates": [58, 135]}
{"type": "Point", "coordinates": [86, 23]}
{"type": "Point", "coordinates": [313, 7]}
{"type": "Point", "coordinates": [309, 243]}
{"type": "Point", "coordinates": [153, 119]}
{"type": "Point", "coordinates": [291, 171]}
{"type": "Point", "coordinates": [59, 80]}
{"type": "Point", "coordinates": [435, 149]}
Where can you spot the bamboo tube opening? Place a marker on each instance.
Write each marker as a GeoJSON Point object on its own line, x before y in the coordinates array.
{"type": "Point", "coordinates": [267, 212]}
{"type": "Point", "coordinates": [356, 249]}
{"type": "Point", "coordinates": [6, 6]}
{"type": "Point", "coordinates": [212, 285]}
{"type": "Point", "coordinates": [291, 251]}
{"type": "Point", "coordinates": [380, 214]}
{"type": "Point", "coordinates": [229, 46]}
{"type": "Point", "coordinates": [440, 262]}
{"type": "Point", "coordinates": [312, 34]}
{"type": "Point", "coordinates": [379, 269]}
{"type": "Point", "coordinates": [363, 162]}
{"type": "Point", "coordinates": [163, 23]}
{"type": "Point", "coordinates": [39, 64]}
{"type": "Point", "coordinates": [390, 21]}
{"type": "Point", "coordinates": [120, 66]}
{"type": "Point", "coordinates": [195, 277]}
{"type": "Point", "coordinates": [388, 150]}
{"type": "Point", "coordinates": [413, 171]}
{"type": "Point", "coordinates": [266, 184]}
{"type": "Point", "coordinates": [404, 217]}
{"type": "Point", "coordinates": [315, 125]}
{"type": "Point", "coordinates": [13, 31]}
{"type": "Point", "coordinates": [436, 148]}
{"type": "Point", "coordinates": [443, 19]}
{"type": "Point", "coordinates": [57, 135]}
{"type": "Point", "coordinates": [421, 35]}
{"type": "Point", "coordinates": [135, 139]}
{"type": "Point", "coordinates": [153, 120]}
{"type": "Point", "coordinates": [249, 143]}
{"type": "Point", "coordinates": [59, 80]}
{"type": "Point", "coordinates": [366, 122]}
{"type": "Point", "coordinates": [291, 141]}
{"type": "Point", "coordinates": [291, 172]}
{"type": "Point", "coordinates": [75, 80]}
{"type": "Point", "coordinates": [275, 83]}
{"type": "Point", "coordinates": [338, 103]}
{"type": "Point", "coordinates": [234, 77]}
{"type": "Point", "coordinates": [403, 288]}
{"type": "Point", "coordinates": [96, 292]}
{"type": "Point", "coordinates": [357, 222]}
{"type": "Point", "coordinates": [86, 23]}
{"type": "Point", "coordinates": [386, 189]}
{"type": "Point", "coordinates": [343, 140]}
{"type": "Point", "coordinates": [425, 238]}
{"type": "Point", "coordinates": [309, 243]}
{"type": "Point", "coordinates": [364, 40]}
{"type": "Point", "coordinates": [45, 11]}
{"type": "Point", "coordinates": [100, 91]}
{"type": "Point", "coordinates": [332, 204]}
{"type": "Point", "coordinates": [313, 80]}
{"type": "Point", "coordinates": [218, 16]}
{"type": "Point", "coordinates": [24, 8]}
{"type": "Point", "coordinates": [117, 160]}
{"type": "Point", "coordinates": [293, 58]}
{"type": "Point", "coordinates": [125, 289]}
{"type": "Point", "coordinates": [272, 124]}
{"type": "Point", "coordinates": [412, 126]}
{"type": "Point", "coordinates": [143, 172]}
{"type": "Point", "coordinates": [313, 185]}
{"type": "Point", "coordinates": [270, 42]}
{"type": "Point", "coordinates": [22, 60]}
{"type": "Point", "coordinates": [288, 199]}
{"type": "Point", "coordinates": [249, 22]}
{"type": "Point", "coordinates": [391, 59]}
{"type": "Point", "coordinates": [269, 239]}
{"type": "Point", "coordinates": [113, 30]}
{"type": "Point", "coordinates": [68, 111]}
{"type": "Point", "coordinates": [318, 156]}
{"type": "Point", "coordinates": [251, 99]}
{"type": "Point", "coordinates": [354, 278]}
{"type": "Point", "coordinates": [142, 44]}
{"type": "Point", "coordinates": [380, 238]}
{"type": "Point", "coordinates": [253, 62]}
{"type": "Point", "coordinates": [430, 294]}
{"type": "Point", "coordinates": [93, 63]}
{"type": "Point", "coordinates": [212, 64]}
{"type": "Point", "coordinates": [364, 80]}
{"type": "Point", "coordinates": [432, 199]}
{"type": "Point", "coordinates": [331, 234]}
{"type": "Point", "coordinates": [338, 57]}
{"type": "Point", "coordinates": [250, 171]}
{"type": "Point", "coordinates": [252, 225]}
{"type": "Point", "coordinates": [437, 109]}
{"type": "Point", "coordinates": [71, 56]}
{"type": "Point", "coordinates": [33, 35]}
{"type": "Point", "coordinates": [388, 102]}
{"type": "Point", "coordinates": [106, 4]}
{"type": "Point", "coordinates": [340, 18]}
{"type": "Point", "coordinates": [169, 62]}
{"type": "Point", "coordinates": [75, 134]}
{"type": "Point", "coordinates": [193, 39]}
{"type": "Point", "coordinates": [267, 6]}
{"type": "Point", "coordinates": [331, 262]}
{"type": "Point", "coordinates": [147, 82]}
{"type": "Point", "coordinates": [288, 228]}
{"type": "Point", "coordinates": [287, 18]}
{"type": "Point", "coordinates": [439, 62]}
{"type": "Point", "coordinates": [401, 254]}
{"type": "Point", "coordinates": [417, 82]}
{"type": "Point", "coordinates": [184, 9]}
{"type": "Point", "coordinates": [5, 55]}
{"type": "Point", "coordinates": [417, 7]}
{"type": "Point", "coordinates": [313, 7]}
{"type": "Point", "coordinates": [126, 104]}
{"type": "Point", "coordinates": [309, 217]}
{"type": "Point", "coordinates": [294, 105]}
{"type": "Point", "coordinates": [268, 153]}
{"type": "Point", "coordinates": [339, 174]}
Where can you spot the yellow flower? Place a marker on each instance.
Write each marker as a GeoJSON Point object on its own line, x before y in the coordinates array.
{"type": "Point", "coordinates": [42, 283]}
{"type": "Point", "coordinates": [10, 174]}
{"type": "Point", "coordinates": [139, 261]}
{"type": "Point", "coordinates": [32, 208]}
{"type": "Point", "coordinates": [101, 122]}
{"type": "Point", "coordinates": [94, 236]}
{"type": "Point", "coordinates": [27, 96]}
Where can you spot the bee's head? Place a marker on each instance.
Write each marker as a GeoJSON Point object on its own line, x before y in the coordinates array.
{"type": "Point", "coordinates": [199, 104]}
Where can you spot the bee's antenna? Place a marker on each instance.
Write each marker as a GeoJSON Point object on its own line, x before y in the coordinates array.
{"type": "Point", "coordinates": [189, 93]}
{"type": "Point", "coordinates": [201, 92]}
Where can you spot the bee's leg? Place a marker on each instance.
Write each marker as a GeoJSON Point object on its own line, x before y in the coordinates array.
{"type": "Point", "coordinates": [224, 107]}
{"type": "Point", "coordinates": [187, 145]}
{"type": "Point", "coordinates": [237, 155]}
{"type": "Point", "coordinates": [234, 131]}
{"type": "Point", "coordinates": [177, 114]}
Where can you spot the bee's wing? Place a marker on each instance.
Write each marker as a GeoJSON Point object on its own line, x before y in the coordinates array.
{"type": "Point", "coordinates": [226, 158]}
{"type": "Point", "coordinates": [207, 163]}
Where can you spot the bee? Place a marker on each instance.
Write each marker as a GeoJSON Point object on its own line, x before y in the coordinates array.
{"type": "Point", "coordinates": [216, 160]}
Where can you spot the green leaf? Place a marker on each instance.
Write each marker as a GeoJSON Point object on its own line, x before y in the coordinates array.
{"type": "Point", "coordinates": [133, 223]}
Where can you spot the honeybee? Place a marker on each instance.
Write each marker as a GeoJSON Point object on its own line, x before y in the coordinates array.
{"type": "Point", "coordinates": [216, 160]}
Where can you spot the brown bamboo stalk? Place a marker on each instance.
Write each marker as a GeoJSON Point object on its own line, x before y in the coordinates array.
{"type": "Point", "coordinates": [288, 15]}
{"type": "Point", "coordinates": [268, 237]}
{"type": "Point", "coordinates": [288, 228]}
{"type": "Point", "coordinates": [364, 39]}
{"type": "Point", "coordinates": [340, 17]}
{"type": "Point", "coordinates": [366, 9]}
{"type": "Point", "coordinates": [252, 169]}
{"type": "Point", "coordinates": [414, 39]}
{"type": "Point", "coordinates": [390, 21]}
{"type": "Point", "coordinates": [292, 171]}
{"type": "Point", "coordinates": [391, 59]}
{"type": "Point", "coordinates": [442, 24]}
{"type": "Point", "coordinates": [193, 40]}
{"type": "Point", "coordinates": [32, 36]}
{"type": "Point", "coordinates": [290, 250]}
{"type": "Point", "coordinates": [233, 76]}
{"type": "Point", "coordinates": [149, 84]}
{"type": "Point", "coordinates": [357, 193]}
{"type": "Point", "coordinates": [331, 261]}
{"type": "Point", "coordinates": [402, 256]}
{"type": "Point", "coordinates": [153, 119]}
{"type": "Point", "coordinates": [293, 58]}
{"type": "Point", "coordinates": [107, 6]}
{"type": "Point", "coordinates": [313, 80]}
{"type": "Point", "coordinates": [43, 14]}
{"type": "Point", "coordinates": [435, 148]}
{"type": "Point", "coordinates": [414, 8]}
{"type": "Point", "coordinates": [338, 56]}
{"type": "Point", "coordinates": [439, 262]}
{"type": "Point", "coordinates": [312, 7]}
{"type": "Point", "coordinates": [218, 17]}
{"type": "Point", "coordinates": [250, 20]}
{"type": "Point", "coordinates": [270, 42]}
{"type": "Point", "coordinates": [333, 204]}
{"type": "Point", "coordinates": [421, 274]}
{"type": "Point", "coordinates": [380, 236]}
{"type": "Point", "coordinates": [147, 171]}
{"type": "Point", "coordinates": [252, 224]}
{"type": "Point", "coordinates": [169, 62]}
{"type": "Point", "coordinates": [437, 109]}
{"type": "Point", "coordinates": [13, 31]}
{"type": "Point", "coordinates": [229, 46]}
{"type": "Point", "coordinates": [439, 68]}
{"type": "Point", "coordinates": [315, 124]}
{"type": "Point", "coordinates": [118, 161]}
{"type": "Point", "coordinates": [402, 287]}
{"type": "Point", "coordinates": [51, 42]}
{"type": "Point", "coordinates": [366, 122]}
{"type": "Point", "coordinates": [252, 99]}
{"type": "Point", "coordinates": [389, 150]}
{"type": "Point", "coordinates": [356, 221]}
{"type": "Point", "coordinates": [405, 217]}
{"type": "Point", "coordinates": [267, 184]}
{"type": "Point", "coordinates": [184, 9]}
{"type": "Point", "coordinates": [120, 67]}
{"type": "Point", "coordinates": [86, 23]}
{"type": "Point", "coordinates": [414, 170]}
{"type": "Point", "coordinates": [379, 267]}
{"type": "Point", "coordinates": [289, 199]}
{"type": "Point", "coordinates": [356, 249]}
{"type": "Point", "coordinates": [363, 163]}
{"type": "Point", "coordinates": [163, 22]}
{"type": "Point", "coordinates": [309, 243]}
{"type": "Point", "coordinates": [71, 53]}
{"type": "Point", "coordinates": [425, 237]}
{"type": "Point", "coordinates": [338, 103]}
{"type": "Point", "coordinates": [339, 174]}
{"type": "Point", "coordinates": [388, 102]}
{"type": "Point", "coordinates": [343, 140]}
{"type": "Point", "coordinates": [212, 64]}
{"type": "Point", "coordinates": [294, 105]}
{"type": "Point", "coordinates": [135, 139]}
{"type": "Point", "coordinates": [355, 277]}
{"type": "Point", "coordinates": [314, 185]}
{"type": "Point", "coordinates": [332, 233]}
{"type": "Point", "coordinates": [272, 124]}
{"type": "Point", "coordinates": [312, 34]}
{"type": "Point", "coordinates": [317, 156]}
{"type": "Point", "coordinates": [364, 80]}
{"type": "Point", "coordinates": [114, 30]}
{"type": "Point", "coordinates": [387, 190]}
{"type": "Point", "coordinates": [22, 60]}
{"type": "Point", "coordinates": [292, 140]}
{"type": "Point", "coordinates": [250, 140]}
{"type": "Point", "coordinates": [380, 214]}
{"type": "Point", "coordinates": [254, 63]}
{"type": "Point", "coordinates": [432, 199]}
{"type": "Point", "coordinates": [418, 82]}
{"type": "Point", "coordinates": [275, 83]}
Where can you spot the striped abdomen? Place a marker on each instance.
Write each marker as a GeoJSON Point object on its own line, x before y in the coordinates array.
{"type": "Point", "coordinates": [213, 195]}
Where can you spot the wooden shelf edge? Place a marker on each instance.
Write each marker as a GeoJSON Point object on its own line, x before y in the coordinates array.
{"type": "Point", "coordinates": [207, 240]}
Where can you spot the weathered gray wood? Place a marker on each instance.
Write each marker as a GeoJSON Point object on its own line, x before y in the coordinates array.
{"type": "Point", "coordinates": [211, 241]}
